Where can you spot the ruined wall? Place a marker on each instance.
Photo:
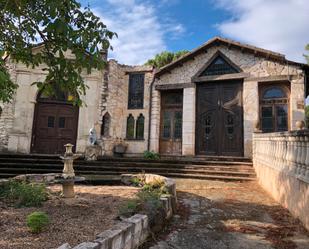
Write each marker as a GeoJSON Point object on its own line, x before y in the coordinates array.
{"type": "Point", "coordinates": [116, 104]}
{"type": "Point", "coordinates": [7, 113]}
{"type": "Point", "coordinates": [256, 67]}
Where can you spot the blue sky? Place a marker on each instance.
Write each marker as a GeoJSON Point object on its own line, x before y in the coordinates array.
{"type": "Point", "coordinates": [148, 27]}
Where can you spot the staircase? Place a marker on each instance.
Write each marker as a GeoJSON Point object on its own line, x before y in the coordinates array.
{"type": "Point", "coordinates": [108, 169]}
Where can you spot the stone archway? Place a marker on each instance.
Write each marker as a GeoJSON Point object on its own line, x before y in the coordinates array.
{"type": "Point", "coordinates": [55, 124]}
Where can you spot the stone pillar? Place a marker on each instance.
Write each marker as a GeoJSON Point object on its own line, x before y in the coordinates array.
{"type": "Point", "coordinates": [297, 97]}
{"type": "Point", "coordinates": [250, 112]}
{"type": "Point", "coordinates": [155, 121]}
{"type": "Point", "coordinates": [188, 122]}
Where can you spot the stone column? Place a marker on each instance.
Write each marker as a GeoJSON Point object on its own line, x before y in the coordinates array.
{"type": "Point", "coordinates": [297, 95]}
{"type": "Point", "coordinates": [155, 121]}
{"type": "Point", "coordinates": [188, 122]}
{"type": "Point", "coordinates": [251, 113]}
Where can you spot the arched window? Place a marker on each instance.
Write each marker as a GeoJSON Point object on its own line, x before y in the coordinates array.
{"type": "Point", "coordinates": [130, 127]}
{"type": "Point", "coordinates": [56, 95]}
{"type": "Point", "coordinates": [140, 127]}
{"type": "Point", "coordinates": [106, 120]}
{"type": "Point", "coordinates": [274, 108]}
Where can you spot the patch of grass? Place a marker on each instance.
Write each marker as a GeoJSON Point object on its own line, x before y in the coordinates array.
{"type": "Point", "coordinates": [151, 155]}
{"type": "Point", "coordinates": [22, 194]}
{"type": "Point", "coordinates": [37, 221]}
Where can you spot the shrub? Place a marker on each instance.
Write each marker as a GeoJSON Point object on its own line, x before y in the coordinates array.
{"type": "Point", "coordinates": [151, 155]}
{"type": "Point", "coordinates": [129, 208]}
{"type": "Point", "coordinates": [22, 194]}
{"type": "Point", "coordinates": [136, 181]}
{"type": "Point", "coordinates": [37, 221]}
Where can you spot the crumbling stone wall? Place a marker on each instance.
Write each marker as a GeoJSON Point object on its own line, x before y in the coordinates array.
{"type": "Point", "coordinates": [115, 102]}
{"type": "Point", "coordinates": [7, 114]}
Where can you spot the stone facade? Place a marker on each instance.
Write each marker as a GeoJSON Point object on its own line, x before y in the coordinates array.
{"type": "Point", "coordinates": [108, 93]}
{"type": "Point", "coordinates": [257, 70]}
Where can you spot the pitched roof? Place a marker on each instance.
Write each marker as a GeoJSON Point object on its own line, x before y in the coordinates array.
{"type": "Point", "coordinates": [231, 44]}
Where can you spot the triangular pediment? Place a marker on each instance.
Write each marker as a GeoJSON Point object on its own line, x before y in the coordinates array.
{"type": "Point", "coordinates": [218, 66]}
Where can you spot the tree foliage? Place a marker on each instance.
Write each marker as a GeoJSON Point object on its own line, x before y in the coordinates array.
{"type": "Point", "coordinates": [307, 56]}
{"type": "Point", "coordinates": [59, 26]}
{"type": "Point", "coordinates": [165, 58]}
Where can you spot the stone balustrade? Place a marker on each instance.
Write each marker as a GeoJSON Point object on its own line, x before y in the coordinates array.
{"type": "Point", "coordinates": [281, 162]}
{"type": "Point", "coordinates": [283, 151]}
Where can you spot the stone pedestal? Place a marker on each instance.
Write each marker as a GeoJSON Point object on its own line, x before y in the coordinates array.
{"type": "Point", "coordinates": [93, 152]}
{"type": "Point", "coordinates": [68, 189]}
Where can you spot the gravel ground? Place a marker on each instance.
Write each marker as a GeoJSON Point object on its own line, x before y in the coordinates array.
{"type": "Point", "coordinates": [74, 221]}
{"type": "Point", "coordinates": [229, 215]}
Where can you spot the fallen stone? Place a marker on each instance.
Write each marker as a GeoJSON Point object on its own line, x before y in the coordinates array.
{"type": "Point", "coordinates": [87, 245]}
{"type": "Point", "coordinates": [65, 246]}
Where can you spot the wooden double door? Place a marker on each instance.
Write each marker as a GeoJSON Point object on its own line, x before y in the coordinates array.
{"type": "Point", "coordinates": [219, 119]}
{"type": "Point", "coordinates": [55, 124]}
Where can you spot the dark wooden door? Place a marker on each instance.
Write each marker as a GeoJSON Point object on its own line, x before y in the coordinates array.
{"type": "Point", "coordinates": [171, 123]}
{"type": "Point", "coordinates": [54, 126]}
{"type": "Point", "coordinates": [219, 128]}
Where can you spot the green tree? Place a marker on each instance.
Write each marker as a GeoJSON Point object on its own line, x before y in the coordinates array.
{"type": "Point", "coordinates": [59, 26]}
{"type": "Point", "coordinates": [165, 58]}
{"type": "Point", "coordinates": [307, 56]}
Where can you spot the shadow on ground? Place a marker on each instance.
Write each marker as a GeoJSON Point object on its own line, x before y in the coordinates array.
{"type": "Point", "coordinates": [222, 215]}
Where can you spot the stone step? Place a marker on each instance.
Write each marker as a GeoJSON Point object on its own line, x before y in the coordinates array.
{"type": "Point", "coordinates": [126, 170]}
{"type": "Point", "coordinates": [177, 160]}
{"type": "Point", "coordinates": [149, 163]}
{"type": "Point", "coordinates": [245, 168]}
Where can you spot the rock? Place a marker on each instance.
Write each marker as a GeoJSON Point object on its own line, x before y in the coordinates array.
{"type": "Point", "coordinates": [87, 245]}
{"type": "Point", "coordinates": [65, 246]}
{"type": "Point", "coordinates": [3, 181]}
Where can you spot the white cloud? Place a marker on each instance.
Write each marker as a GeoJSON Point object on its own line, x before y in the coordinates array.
{"type": "Point", "coordinates": [141, 33]}
{"type": "Point", "coordinates": [278, 25]}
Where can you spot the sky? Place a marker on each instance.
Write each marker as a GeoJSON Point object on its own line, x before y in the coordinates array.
{"type": "Point", "coordinates": [146, 27]}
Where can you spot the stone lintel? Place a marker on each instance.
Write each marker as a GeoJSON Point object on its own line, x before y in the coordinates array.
{"type": "Point", "coordinates": [163, 87]}
{"type": "Point", "coordinates": [273, 78]}
{"type": "Point", "coordinates": [221, 77]}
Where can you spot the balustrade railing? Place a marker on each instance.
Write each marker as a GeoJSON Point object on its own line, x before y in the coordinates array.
{"type": "Point", "coordinates": [283, 151]}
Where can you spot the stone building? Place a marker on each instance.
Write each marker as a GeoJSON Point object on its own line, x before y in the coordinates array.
{"type": "Point", "coordinates": [207, 102]}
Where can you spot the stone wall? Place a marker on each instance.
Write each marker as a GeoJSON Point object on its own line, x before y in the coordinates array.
{"type": "Point", "coordinates": [17, 117]}
{"type": "Point", "coordinates": [7, 113]}
{"type": "Point", "coordinates": [117, 106]}
{"type": "Point", "coordinates": [257, 68]}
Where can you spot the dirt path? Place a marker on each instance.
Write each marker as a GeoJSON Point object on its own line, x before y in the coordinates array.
{"type": "Point", "coordinates": [223, 215]}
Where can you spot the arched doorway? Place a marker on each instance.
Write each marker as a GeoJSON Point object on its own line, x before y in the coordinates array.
{"type": "Point", "coordinates": [55, 123]}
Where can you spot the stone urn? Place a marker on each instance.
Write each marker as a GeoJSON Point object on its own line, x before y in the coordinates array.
{"type": "Point", "coordinates": [257, 126]}
{"type": "Point", "coordinates": [120, 149]}
{"type": "Point", "coordinates": [300, 125]}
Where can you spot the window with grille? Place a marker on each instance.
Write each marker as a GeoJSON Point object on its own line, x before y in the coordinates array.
{"type": "Point", "coordinates": [106, 120]}
{"type": "Point", "coordinates": [219, 66]}
{"type": "Point", "coordinates": [140, 122]}
{"type": "Point", "coordinates": [130, 127]}
{"type": "Point", "coordinates": [136, 91]}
